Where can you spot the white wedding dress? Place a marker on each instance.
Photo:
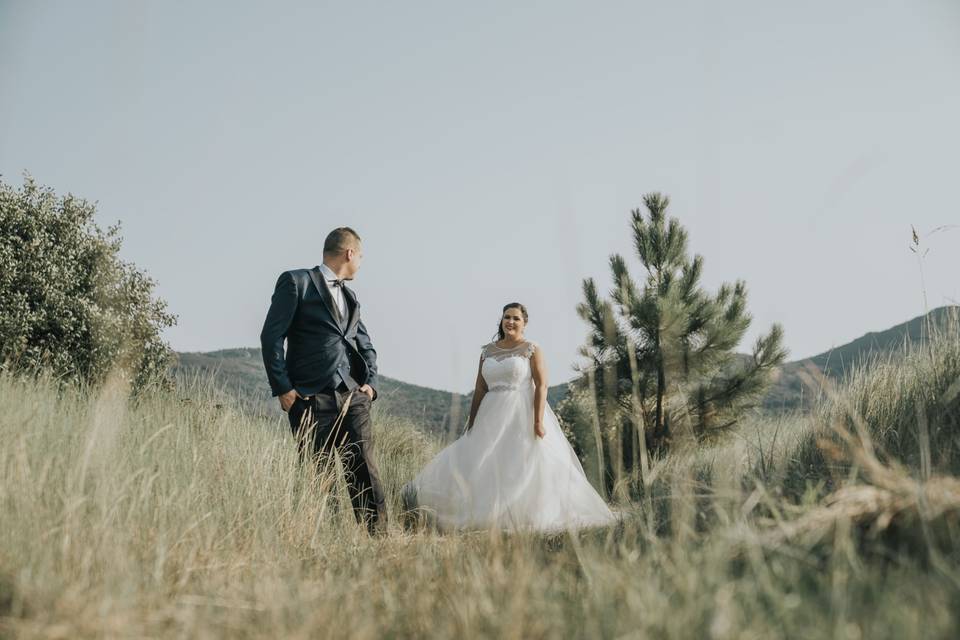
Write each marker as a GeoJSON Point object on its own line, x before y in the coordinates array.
{"type": "Point", "coordinates": [499, 475]}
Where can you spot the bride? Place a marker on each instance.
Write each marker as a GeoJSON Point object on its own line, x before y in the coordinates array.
{"type": "Point", "coordinates": [513, 469]}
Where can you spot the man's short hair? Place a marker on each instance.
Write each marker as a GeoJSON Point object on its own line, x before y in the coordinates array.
{"type": "Point", "coordinates": [339, 240]}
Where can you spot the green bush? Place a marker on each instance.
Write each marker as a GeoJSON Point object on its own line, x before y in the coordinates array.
{"type": "Point", "coordinates": [68, 304]}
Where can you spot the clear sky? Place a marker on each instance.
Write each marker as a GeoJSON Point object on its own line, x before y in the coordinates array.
{"type": "Point", "coordinates": [492, 151]}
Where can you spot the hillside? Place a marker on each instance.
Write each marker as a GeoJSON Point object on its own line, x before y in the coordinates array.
{"type": "Point", "coordinates": [789, 392]}
{"type": "Point", "coordinates": [238, 374]}
{"type": "Point", "coordinates": [239, 377]}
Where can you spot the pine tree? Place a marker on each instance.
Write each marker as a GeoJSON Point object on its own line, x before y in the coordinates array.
{"type": "Point", "coordinates": [661, 352]}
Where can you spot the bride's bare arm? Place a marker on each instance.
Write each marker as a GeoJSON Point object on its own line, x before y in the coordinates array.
{"type": "Point", "coordinates": [539, 370]}
{"type": "Point", "coordinates": [479, 390]}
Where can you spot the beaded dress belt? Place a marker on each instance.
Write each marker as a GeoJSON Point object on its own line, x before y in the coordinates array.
{"type": "Point", "coordinates": [505, 387]}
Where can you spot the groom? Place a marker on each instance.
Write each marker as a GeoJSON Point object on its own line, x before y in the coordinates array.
{"type": "Point", "coordinates": [328, 377]}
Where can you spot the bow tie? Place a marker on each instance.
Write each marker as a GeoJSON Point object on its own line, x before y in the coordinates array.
{"type": "Point", "coordinates": [335, 283]}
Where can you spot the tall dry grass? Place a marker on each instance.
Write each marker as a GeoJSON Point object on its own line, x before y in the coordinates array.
{"type": "Point", "coordinates": [169, 518]}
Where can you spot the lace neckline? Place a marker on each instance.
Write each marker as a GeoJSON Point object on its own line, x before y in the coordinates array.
{"type": "Point", "coordinates": [524, 349]}
{"type": "Point", "coordinates": [516, 347]}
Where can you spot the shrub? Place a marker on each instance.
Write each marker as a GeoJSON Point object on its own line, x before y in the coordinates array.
{"type": "Point", "coordinates": [68, 304]}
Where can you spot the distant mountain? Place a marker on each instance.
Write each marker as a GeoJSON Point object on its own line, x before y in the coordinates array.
{"type": "Point", "coordinates": [239, 375]}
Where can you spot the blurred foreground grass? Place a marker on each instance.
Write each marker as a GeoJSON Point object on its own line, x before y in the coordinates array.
{"type": "Point", "coordinates": [172, 518]}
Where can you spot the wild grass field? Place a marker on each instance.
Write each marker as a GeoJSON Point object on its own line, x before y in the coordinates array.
{"type": "Point", "coordinates": [172, 516]}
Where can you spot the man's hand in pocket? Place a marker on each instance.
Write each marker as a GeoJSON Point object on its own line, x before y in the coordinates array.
{"type": "Point", "coordinates": [287, 399]}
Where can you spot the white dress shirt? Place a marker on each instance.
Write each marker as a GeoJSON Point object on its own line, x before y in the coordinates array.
{"type": "Point", "coordinates": [335, 292]}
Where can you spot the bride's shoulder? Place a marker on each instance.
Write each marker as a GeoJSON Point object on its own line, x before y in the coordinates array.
{"type": "Point", "coordinates": [487, 348]}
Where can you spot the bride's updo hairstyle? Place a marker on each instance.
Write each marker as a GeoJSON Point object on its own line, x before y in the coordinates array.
{"type": "Point", "coordinates": [512, 305]}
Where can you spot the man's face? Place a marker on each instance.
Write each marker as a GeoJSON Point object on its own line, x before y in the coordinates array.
{"type": "Point", "coordinates": [354, 257]}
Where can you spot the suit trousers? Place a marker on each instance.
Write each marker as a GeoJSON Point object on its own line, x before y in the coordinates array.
{"type": "Point", "coordinates": [313, 422]}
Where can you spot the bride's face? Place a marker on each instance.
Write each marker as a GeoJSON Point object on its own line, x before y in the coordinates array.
{"type": "Point", "coordinates": [512, 323]}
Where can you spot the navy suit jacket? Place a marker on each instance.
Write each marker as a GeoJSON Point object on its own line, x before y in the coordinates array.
{"type": "Point", "coordinates": [321, 352]}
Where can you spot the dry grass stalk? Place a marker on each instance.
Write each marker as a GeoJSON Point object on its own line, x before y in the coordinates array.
{"type": "Point", "coordinates": [891, 503]}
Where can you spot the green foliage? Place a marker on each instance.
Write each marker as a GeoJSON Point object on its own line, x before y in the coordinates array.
{"type": "Point", "coordinates": [68, 304]}
{"type": "Point", "coordinates": [661, 351]}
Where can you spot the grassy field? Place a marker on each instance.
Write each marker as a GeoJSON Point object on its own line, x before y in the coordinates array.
{"type": "Point", "coordinates": [166, 517]}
